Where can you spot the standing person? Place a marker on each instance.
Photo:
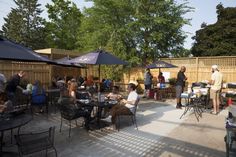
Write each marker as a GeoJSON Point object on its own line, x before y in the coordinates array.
{"type": "Point", "coordinates": [216, 84]}
{"type": "Point", "coordinates": [161, 80]}
{"type": "Point", "coordinates": [12, 85]}
{"type": "Point", "coordinates": [147, 82]}
{"type": "Point", "coordinates": [180, 83]}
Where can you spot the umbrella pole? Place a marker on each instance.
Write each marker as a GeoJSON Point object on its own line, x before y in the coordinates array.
{"type": "Point", "coordinates": [99, 68]}
{"type": "Point", "coordinates": [86, 71]}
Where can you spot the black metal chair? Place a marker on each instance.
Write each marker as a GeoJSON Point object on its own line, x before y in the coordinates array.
{"type": "Point", "coordinates": [132, 116]}
{"type": "Point", "coordinates": [36, 142]}
{"type": "Point", "coordinates": [70, 111]}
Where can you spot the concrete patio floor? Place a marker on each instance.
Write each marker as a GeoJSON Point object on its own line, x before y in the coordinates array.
{"type": "Point", "coordinates": [160, 133]}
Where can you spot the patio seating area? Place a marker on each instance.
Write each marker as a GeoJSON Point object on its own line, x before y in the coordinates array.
{"type": "Point", "coordinates": [160, 133]}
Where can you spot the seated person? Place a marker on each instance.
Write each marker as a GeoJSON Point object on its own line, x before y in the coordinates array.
{"type": "Point", "coordinates": [73, 89]}
{"type": "Point", "coordinates": [54, 83]}
{"type": "Point", "coordinates": [38, 96]}
{"type": "Point", "coordinates": [28, 89]}
{"type": "Point", "coordinates": [81, 80]}
{"type": "Point", "coordinates": [82, 110]}
{"type": "Point", "coordinates": [64, 92]}
{"type": "Point", "coordinates": [5, 104]}
{"type": "Point", "coordinates": [126, 107]}
{"type": "Point", "coordinates": [106, 84]}
{"type": "Point", "coordinates": [114, 95]}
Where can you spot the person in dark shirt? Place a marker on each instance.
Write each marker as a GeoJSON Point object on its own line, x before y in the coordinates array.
{"type": "Point", "coordinates": [180, 83]}
{"type": "Point", "coordinates": [12, 85]}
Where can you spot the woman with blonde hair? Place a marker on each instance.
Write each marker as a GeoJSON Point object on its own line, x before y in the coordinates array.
{"type": "Point", "coordinates": [73, 89]}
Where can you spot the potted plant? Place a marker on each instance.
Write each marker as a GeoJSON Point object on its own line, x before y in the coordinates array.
{"type": "Point", "coordinates": [172, 81]}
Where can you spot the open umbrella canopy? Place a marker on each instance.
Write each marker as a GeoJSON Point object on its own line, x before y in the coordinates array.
{"type": "Point", "coordinates": [98, 57]}
{"type": "Point", "coordinates": [10, 50]}
{"type": "Point", "coordinates": [64, 62]}
{"type": "Point", "coordinates": [160, 64]}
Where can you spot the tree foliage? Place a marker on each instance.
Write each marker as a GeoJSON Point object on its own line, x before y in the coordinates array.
{"type": "Point", "coordinates": [144, 28]}
{"type": "Point", "coordinates": [218, 39]}
{"type": "Point", "coordinates": [24, 24]}
{"type": "Point", "coordinates": [134, 30]}
{"type": "Point", "coordinates": [64, 23]}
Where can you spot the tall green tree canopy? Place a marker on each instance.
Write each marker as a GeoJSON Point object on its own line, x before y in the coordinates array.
{"type": "Point", "coordinates": [133, 29]}
{"type": "Point", "coordinates": [24, 24]}
{"type": "Point", "coordinates": [64, 23]}
{"type": "Point", "coordinates": [218, 39]}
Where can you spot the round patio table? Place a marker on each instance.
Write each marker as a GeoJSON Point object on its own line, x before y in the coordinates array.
{"type": "Point", "coordinates": [10, 122]}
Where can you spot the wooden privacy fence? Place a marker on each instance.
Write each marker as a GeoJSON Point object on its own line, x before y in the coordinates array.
{"type": "Point", "coordinates": [197, 68]}
{"type": "Point", "coordinates": [34, 71]}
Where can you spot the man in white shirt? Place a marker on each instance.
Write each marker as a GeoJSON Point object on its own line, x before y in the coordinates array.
{"type": "Point", "coordinates": [216, 84]}
{"type": "Point", "coordinates": [126, 107]}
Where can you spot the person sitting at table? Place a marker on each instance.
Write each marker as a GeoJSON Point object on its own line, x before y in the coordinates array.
{"type": "Point", "coordinates": [28, 90]}
{"type": "Point", "coordinates": [80, 80]}
{"type": "Point", "coordinates": [38, 96]}
{"type": "Point", "coordinates": [54, 83]}
{"type": "Point", "coordinates": [5, 104]}
{"type": "Point", "coordinates": [114, 94]}
{"type": "Point", "coordinates": [126, 107]}
{"type": "Point", "coordinates": [73, 89]}
{"type": "Point", "coordinates": [83, 110]}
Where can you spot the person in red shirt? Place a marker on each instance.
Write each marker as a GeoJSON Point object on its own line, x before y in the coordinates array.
{"type": "Point", "coordinates": [161, 78]}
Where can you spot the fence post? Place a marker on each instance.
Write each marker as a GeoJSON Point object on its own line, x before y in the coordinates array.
{"type": "Point", "coordinates": [197, 65]}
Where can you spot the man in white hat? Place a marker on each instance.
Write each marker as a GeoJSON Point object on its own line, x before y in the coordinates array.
{"type": "Point", "coordinates": [216, 84]}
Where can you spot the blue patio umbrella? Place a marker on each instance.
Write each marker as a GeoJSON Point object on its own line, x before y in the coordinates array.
{"type": "Point", "coordinates": [64, 62]}
{"type": "Point", "coordinates": [160, 64]}
{"type": "Point", "coordinates": [10, 50]}
{"type": "Point", "coordinates": [98, 57]}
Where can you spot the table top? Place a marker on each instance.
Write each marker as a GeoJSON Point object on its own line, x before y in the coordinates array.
{"type": "Point", "coordinates": [53, 90]}
{"type": "Point", "coordinates": [9, 121]}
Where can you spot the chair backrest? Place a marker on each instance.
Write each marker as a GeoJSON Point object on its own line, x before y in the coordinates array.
{"type": "Point", "coordinates": [52, 134]}
{"type": "Point", "coordinates": [68, 109]}
{"type": "Point", "coordinates": [34, 142]}
{"type": "Point", "coordinates": [136, 105]}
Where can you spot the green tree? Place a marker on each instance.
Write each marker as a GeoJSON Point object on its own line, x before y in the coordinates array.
{"type": "Point", "coordinates": [64, 23]}
{"type": "Point", "coordinates": [134, 30]}
{"type": "Point", "coordinates": [218, 39]}
{"type": "Point", "coordinates": [24, 24]}
{"type": "Point", "coordinates": [145, 29]}
{"type": "Point", "coordinates": [158, 26]}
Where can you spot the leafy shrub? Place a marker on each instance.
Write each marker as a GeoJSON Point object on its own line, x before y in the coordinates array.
{"type": "Point", "coordinates": [172, 81]}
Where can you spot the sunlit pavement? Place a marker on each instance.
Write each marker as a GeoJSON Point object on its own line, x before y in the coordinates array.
{"type": "Point", "coordinates": [160, 133]}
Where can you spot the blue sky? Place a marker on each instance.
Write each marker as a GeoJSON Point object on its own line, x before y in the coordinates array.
{"type": "Point", "coordinates": [205, 11]}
